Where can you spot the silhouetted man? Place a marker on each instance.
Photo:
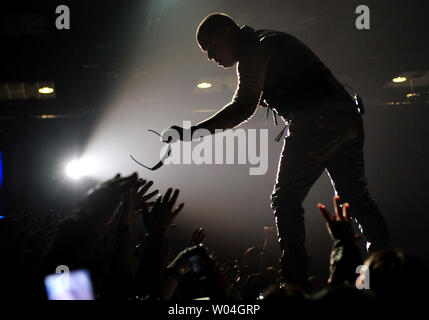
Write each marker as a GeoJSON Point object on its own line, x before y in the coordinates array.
{"type": "Point", "coordinates": [278, 71]}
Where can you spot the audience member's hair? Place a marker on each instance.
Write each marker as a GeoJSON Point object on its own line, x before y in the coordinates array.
{"type": "Point", "coordinates": [395, 273]}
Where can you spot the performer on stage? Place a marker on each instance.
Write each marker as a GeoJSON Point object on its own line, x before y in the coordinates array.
{"type": "Point", "coordinates": [325, 129]}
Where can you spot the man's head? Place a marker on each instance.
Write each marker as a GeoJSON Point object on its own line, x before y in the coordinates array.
{"type": "Point", "coordinates": [395, 273]}
{"type": "Point", "coordinates": [217, 35]}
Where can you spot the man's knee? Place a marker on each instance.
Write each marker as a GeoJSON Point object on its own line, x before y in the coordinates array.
{"type": "Point", "coordinates": [360, 201]}
{"type": "Point", "coordinates": [363, 204]}
{"type": "Point", "coordinates": [286, 199]}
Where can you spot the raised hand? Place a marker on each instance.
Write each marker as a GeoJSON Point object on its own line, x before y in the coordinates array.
{"type": "Point", "coordinates": [102, 201]}
{"type": "Point", "coordinates": [162, 214]}
{"type": "Point", "coordinates": [141, 202]}
{"type": "Point", "coordinates": [197, 237]}
{"type": "Point", "coordinates": [135, 201]}
{"type": "Point", "coordinates": [339, 225]}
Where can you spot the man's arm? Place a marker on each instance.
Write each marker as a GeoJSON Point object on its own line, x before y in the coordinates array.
{"type": "Point", "coordinates": [251, 72]}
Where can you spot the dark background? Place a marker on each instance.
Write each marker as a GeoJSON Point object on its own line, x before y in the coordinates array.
{"type": "Point", "coordinates": [128, 66]}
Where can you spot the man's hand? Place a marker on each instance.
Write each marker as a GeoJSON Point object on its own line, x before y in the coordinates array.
{"type": "Point", "coordinates": [340, 226]}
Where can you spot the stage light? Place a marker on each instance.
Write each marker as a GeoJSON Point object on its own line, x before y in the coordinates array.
{"type": "Point", "coordinates": [204, 85]}
{"type": "Point", "coordinates": [46, 90]}
{"type": "Point", "coordinates": [399, 79]}
{"type": "Point", "coordinates": [412, 94]}
{"type": "Point", "coordinates": [48, 116]}
{"type": "Point", "coordinates": [79, 168]}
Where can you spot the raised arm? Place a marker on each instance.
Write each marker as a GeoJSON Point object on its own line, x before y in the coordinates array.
{"type": "Point", "coordinates": [251, 71]}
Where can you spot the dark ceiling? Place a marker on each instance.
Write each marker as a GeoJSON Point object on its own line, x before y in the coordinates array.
{"type": "Point", "coordinates": [112, 42]}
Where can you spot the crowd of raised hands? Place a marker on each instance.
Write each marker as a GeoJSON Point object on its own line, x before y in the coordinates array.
{"type": "Point", "coordinates": [100, 237]}
{"type": "Point", "coordinates": [127, 263]}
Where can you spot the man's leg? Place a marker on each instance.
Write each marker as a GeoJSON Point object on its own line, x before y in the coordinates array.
{"type": "Point", "coordinates": [303, 159]}
{"type": "Point", "coordinates": [346, 170]}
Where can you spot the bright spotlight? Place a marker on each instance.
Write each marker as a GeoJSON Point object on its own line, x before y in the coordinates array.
{"type": "Point", "coordinates": [412, 94]}
{"type": "Point", "coordinates": [204, 85]}
{"type": "Point", "coordinates": [79, 168]}
{"type": "Point", "coordinates": [46, 90]}
{"type": "Point", "coordinates": [399, 79]}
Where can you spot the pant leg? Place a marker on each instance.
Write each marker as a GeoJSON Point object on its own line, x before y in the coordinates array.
{"type": "Point", "coordinates": [346, 170]}
{"type": "Point", "coordinates": [304, 157]}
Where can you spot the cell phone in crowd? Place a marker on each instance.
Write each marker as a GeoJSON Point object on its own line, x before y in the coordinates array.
{"type": "Point", "coordinates": [198, 266]}
{"type": "Point", "coordinates": [199, 262]}
{"type": "Point", "coordinates": [73, 285]}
